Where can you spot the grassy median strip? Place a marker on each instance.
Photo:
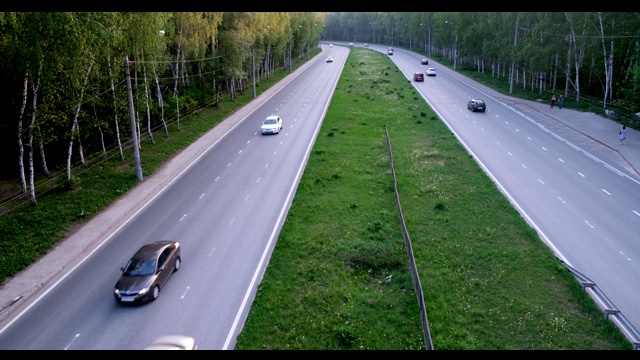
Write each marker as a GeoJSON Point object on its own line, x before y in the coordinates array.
{"type": "Point", "coordinates": [339, 276]}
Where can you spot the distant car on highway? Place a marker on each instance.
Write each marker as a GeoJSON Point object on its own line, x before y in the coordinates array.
{"type": "Point", "coordinates": [366, 45]}
{"type": "Point", "coordinates": [431, 71]}
{"type": "Point", "coordinates": [271, 125]}
{"type": "Point", "coordinates": [476, 105]}
{"type": "Point", "coordinates": [330, 45]}
{"type": "Point", "coordinates": [329, 59]}
{"type": "Point", "coordinates": [418, 76]}
{"type": "Point", "coordinates": [147, 272]}
{"type": "Point", "coordinates": [390, 52]}
{"type": "Point", "coordinates": [425, 61]}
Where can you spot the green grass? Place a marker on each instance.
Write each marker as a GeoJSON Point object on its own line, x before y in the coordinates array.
{"type": "Point", "coordinates": [489, 282]}
{"type": "Point", "coordinates": [339, 275]}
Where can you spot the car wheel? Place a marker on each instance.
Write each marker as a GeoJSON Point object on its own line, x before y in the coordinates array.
{"type": "Point", "coordinates": [156, 292]}
{"type": "Point", "coordinates": [177, 267]}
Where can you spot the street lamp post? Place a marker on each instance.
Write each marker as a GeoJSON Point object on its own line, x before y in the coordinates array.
{"type": "Point", "coordinates": [253, 68]}
{"type": "Point", "coordinates": [427, 49]}
{"type": "Point", "coordinates": [374, 32]}
{"type": "Point", "coordinates": [455, 49]}
{"type": "Point", "coordinates": [290, 43]}
{"type": "Point", "coordinates": [132, 116]}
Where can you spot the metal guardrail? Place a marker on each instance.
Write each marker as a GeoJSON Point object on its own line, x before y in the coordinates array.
{"type": "Point", "coordinates": [417, 285]}
{"type": "Point", "coordinates": [611, 311]}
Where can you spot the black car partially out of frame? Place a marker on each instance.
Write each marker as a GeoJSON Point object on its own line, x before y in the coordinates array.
{"type": "Point", "coordinates": [147, 272]}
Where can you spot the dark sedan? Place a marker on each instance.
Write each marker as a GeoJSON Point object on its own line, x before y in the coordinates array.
{"type": "Point", "coordinates": [147, 271]}
{"type": "Point", "coordinates": [476, 105]}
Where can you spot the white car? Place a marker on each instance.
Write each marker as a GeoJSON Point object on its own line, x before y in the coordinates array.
{"type": "Point", "coordinates": [431, 71]}
{"type": "Point", "coordinates": [330, 45]}
{"type": "Point", "coordinates": [329, 59]}
{"type": "Point", "coordinates": [271, 125]}
{"type": "Point", "coordinates": [172, 342]}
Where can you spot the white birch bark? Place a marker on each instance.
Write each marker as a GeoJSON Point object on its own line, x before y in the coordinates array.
{"type": "Point", "coordinates": [160, 102]}
{"type": "Point", "coordinates": [34, 89]}
{"type": "Point", "coordinates": [45, 169]}
{"type": "Point", "coordinates": [115, 109]}
{"type": "Point", "coordinates": [146, 97]}
{"type": "Point", "coordinates": [74, 126]}
{"type": "Point", "coordinates": [608, 63]}
{"type": "Point", "coordinates": [579, 60]}
{"type": "Point", "coordinates": [185, 73]}
{"type": "Point", "coordinates": [513, 61]}
{"type": "Point", "coordinates": [25, 89]}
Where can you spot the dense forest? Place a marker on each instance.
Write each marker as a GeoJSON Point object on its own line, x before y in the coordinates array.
{"type": "Point", "coordinates": [67, 96]}
{"type": "Point", "coordinates": [86, 83]}
{"type": "Point", "coordinates": [582, 55]}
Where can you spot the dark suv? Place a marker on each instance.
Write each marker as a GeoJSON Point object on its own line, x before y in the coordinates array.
{"type": "Point", "coordinates": [476, 105]}
{"type": "Point", "coordinates": [418, 76]}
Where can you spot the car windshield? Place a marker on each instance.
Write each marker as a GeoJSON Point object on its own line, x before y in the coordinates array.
{"type": "Point", "coordinates": [270, 121]}
{"type": "Point", "coordinates": [137, 267]}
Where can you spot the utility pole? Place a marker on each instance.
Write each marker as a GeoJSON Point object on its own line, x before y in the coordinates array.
{"type": "Point", "coordinates": [132, 116]}
{"type": "Point", "coordinates": [253, 68]}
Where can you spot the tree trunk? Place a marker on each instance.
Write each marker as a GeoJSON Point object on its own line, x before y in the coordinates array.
{"type": "Point", "coordinates": [74, 127]}
{"type": "Point", "coordinates": [513, 60]}
{"type": "Point", "coordinates": [34, 89]}
{"type": "Point", "coordinates": [95, 114]}
{"type": "Point", "coordinates": [146, 96]}
{"type": "Point", "coordinates": [45, 169]}
{"type": "Point", "coordinates": [160, 102]}
{"type": "Point", "coordinates": [25, 89]}
{"type": "Point", "coordinates": [115, 109]}
{"type": "Point", "coordinates": [608, 63]}
{"type": "Point", "coordinates": [183, 70]}
{"type": "Point", "coordinates": [80, 151]}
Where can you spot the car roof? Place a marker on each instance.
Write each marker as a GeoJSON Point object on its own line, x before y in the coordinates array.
{"type": "Point", "coordinates": [275, 117]}
{"type": "Point", "coordinates": [151, 250]}
{"type": "Point", "coordinates": [172, 342]}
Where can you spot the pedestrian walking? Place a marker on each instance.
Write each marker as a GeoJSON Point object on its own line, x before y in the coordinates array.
{"type": "Point", "coordinates": [623, 134]}
{"type": "Point", "coordinates": [560, 100]}
{"type": "Point", "coordinates": [553, 100]}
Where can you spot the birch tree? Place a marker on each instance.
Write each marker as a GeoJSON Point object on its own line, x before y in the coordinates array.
{"type": "Point", "coordinates": [607, 56]}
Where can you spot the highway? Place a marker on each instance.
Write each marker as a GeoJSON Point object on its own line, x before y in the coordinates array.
{"type": "Point", "coordinates": [227, 208]}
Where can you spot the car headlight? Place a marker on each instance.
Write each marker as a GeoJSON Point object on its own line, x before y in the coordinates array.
{"type": "Point", "coordinates": [143, 291]}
